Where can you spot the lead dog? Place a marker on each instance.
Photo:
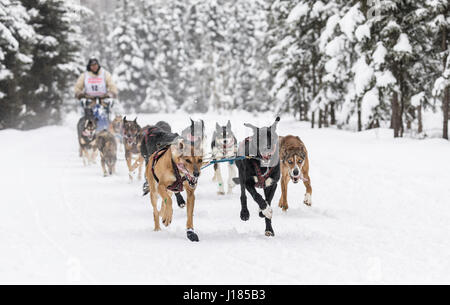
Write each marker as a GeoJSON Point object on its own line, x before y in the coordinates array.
{"type": "Point", "coordinates": [154, 138]}
{"type": "Point", "coordinates": [173, 169]}
{"type": "Point", "coordinates": [261, 169]}
{"type": "Point", "coordinates": [295, 167]}
{"type": "Point", "coordinates": [87, 128]}
{"type": "Point", "coordinates": [224, 146]}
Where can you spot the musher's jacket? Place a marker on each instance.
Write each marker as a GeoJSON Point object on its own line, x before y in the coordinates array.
{"type": "Point", "coordinates": [96, 84]}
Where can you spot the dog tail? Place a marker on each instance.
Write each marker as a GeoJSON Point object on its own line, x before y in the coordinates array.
{"type": "Point", "coordinates": [236, 181]}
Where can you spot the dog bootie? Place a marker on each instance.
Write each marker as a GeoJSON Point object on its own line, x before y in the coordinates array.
{"type": "Point", "coordinates": [145, 188]}
{"type": "Point", "coordinates": [192, 236]}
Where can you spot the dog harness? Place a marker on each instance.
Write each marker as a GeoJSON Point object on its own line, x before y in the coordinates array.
{"type": "Point", "coordinates": [261, 178]}
{"type": "Point", "coordinates": [177, 186]}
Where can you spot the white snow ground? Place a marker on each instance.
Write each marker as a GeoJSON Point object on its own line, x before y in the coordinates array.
{"type": "Point", "coordinates": [381, 214]}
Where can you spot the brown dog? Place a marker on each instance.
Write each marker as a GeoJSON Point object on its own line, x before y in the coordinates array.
{"type": "Point", "coordinates": [106, 144]}
{"type": "Point", "coordinates": [115, 128]}
{"type": "Point", "coordinates": [295, 167]}
{"type": "Point", "coordinates": [132, 138]}
{"type": "Point", "coordinates": [173, 169]}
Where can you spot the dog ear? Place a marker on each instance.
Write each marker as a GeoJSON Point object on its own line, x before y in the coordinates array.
{"type": "Point", "coordinates": [250, 126]}
{"type": "Point", "coordinates": [124, 119]}
{"type": "Point", "coordinates": [255, 129]}
{"type": "Point", "coordinates": [135, 120]}
{"type": "Point", "coordinates": [218, 127]}
{"type": "Point", "coordinates": [180, 145]}
{"type": "Point", "coordinates": [275, 124]}
{"type": "Point", "coordinates": [229, 125]}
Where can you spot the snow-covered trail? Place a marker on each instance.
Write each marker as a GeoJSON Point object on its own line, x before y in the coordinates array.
{"type": "Point", "coordinates": [381, 213]}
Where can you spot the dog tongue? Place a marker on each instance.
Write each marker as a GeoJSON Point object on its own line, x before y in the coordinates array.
{"type": "Point", "coordinates": [86, 133]}
{"type": "Point", "coordinates": [300, 177]}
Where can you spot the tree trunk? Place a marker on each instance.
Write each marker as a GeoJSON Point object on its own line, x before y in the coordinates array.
{"type": "Point", "coordinates": [333, 114]}
{"type": "Point", "coordinates": [320, 118]}
{"type": "Point", "coordinates": [446, 110]}
{"type": "Point", "coordinates": [396, 116]}
{"type": "Point", "coordinates": [445, 101]}
{"type": "Point", "coordinates": [359, 117]}
{"type": "Point", "coordinates": [325, 117]}
{"type": "Point", "coordinates": [419, 117]}
{"type": "Point", "coordinates": [313, 119]}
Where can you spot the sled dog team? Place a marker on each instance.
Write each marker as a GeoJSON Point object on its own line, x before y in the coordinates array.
{"type": "Point", "coordinates": [173, 163]}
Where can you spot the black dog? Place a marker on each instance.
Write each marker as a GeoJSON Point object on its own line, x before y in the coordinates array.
{"type": "Point", "coordinates": [87, 127]}
{"type": "Point", "coordinates": [154, 138]}
{"type": "Point", "coordinates": [261, 169]}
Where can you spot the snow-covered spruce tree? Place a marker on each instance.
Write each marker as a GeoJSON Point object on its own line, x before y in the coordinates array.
{"type": "Point", "coordinates": [297, 59]}
{"type": "Point", "coordinates": [439, 26]}
{"type": "Point", "coordinates": [129, 58]}
{"type": "Point", "coordinates": [159, 36]}
{"type": "Point", "coordinates": [362, 52]}
{"type": "Point", "coordinates": [289, 71]}
{"type": "Point", "coordinates": [261, 71]}
{"type": "Point", "coordinates": [56, 55]}
{"type": "Point", "coordinates": [97, 28]}
{"type": "Point", "coordinates": [15, 59]}
{"type": "Point", "coordinates": [398, 42]}
{"type": "Point", "coordinates": [243, 60]}
{"type": "Point", "coordinates": [210, 22]}
{"type": "Point", "coordinates": [337, 45]}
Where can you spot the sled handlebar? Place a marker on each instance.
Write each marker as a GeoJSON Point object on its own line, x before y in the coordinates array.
{"type": "Point", "coordinates": [96, 100]}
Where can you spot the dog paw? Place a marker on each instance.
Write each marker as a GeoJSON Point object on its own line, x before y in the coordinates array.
{"type": "Point", "coordinates": [157, 229]}
{"type": "Point", "coordinates": [245, 215]}
{"type": "Point", "coordinates": [167, 218]}
{"type": "Point", "coordinates": [308, 199]}
{"type": "Point", "coordinates": [283, 205]}
{"type": "Point", "coordinates": [270, 233]}
{"type": "Point", "coordinates": [192, 236]}
{"type": "Point", "coordinates": [267, 212]}
{"type": "Point", "coordinates": [220, 193]}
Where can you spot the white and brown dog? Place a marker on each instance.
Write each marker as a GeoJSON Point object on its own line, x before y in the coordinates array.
{"type": "Point", "coordinates": [295, 167]}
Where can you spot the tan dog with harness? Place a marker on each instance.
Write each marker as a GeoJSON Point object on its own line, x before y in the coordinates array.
{"type": "Point", "coordinates": [175, 168]}
{"type": "Point", "coordinates": [295, 167]}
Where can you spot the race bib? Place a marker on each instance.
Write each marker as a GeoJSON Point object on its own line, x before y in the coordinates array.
{"type": "Point", "coordinates": [95, 85]}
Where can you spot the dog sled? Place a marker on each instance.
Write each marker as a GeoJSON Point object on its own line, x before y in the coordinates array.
{"type": "Point", "coordinates": [100, 107]}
